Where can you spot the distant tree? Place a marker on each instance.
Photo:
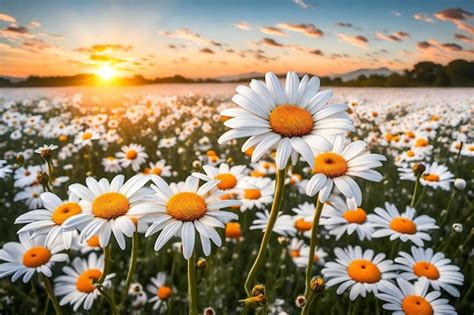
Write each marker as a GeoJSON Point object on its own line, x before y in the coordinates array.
{"type": "Point", "coordinates": [461, 72]}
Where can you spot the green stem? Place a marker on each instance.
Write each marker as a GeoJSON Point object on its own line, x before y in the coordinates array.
{"type": "Point", "coordinates": [312, 248]}
{"type": "Point", "coordinates": [415, 191]}
{"type": "Point", "coordinates": [106, 264]}
{"type": "Point", "coordinates": [192, 290]}
{"type": "Point", "coordinates": [109, 299]}
{"type": "Point", "coordinates": [52, 297]}
{"type": "Point", "coordinates": [133, 265]}
{"type": "Point", "coordinates": [421, 197]}
{"type": "Point", "coordinates": [277, 199]}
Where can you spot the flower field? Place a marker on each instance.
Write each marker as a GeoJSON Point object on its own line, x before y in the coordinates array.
{"type": "Point", "coordinates": [278, 197]}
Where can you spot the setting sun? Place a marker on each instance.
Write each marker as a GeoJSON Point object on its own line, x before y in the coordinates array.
{"type": "Point", "coordinates": [107, 72]}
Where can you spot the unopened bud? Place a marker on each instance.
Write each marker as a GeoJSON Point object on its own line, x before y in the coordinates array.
{"type": "Point", "coordinates": [42, 178]}
{"type": "Point", "coordinates": [201, 263]}
{"type": "Point", "coordinates": [255, 301]}
{"type": "Point", "coordinates": [317, 284]}
{"type": "Point", "coordinates": [89, 173]}
{"type": "Point", "coordinates": [459, 184]}
{"type": "Point", "coordinates": [457, 227]}
{"type": "Point", "coordinates": [209, 311]}
{"type": "Point", "coordinates": [258, 289]}
{"type": "Point", "coordinates": [418, 169]}
{"type": "Point", "coordinates": [20, 159]}
{"type": "Point", "coordinates": [300, 301]}
{"type": "Point", "coordinates": [282, 240]}
{"type": "Point", "coordinates": [197, 164]}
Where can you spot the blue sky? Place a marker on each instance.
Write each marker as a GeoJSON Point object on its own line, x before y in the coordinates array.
{"type": "Point", "coordinates": [168, 37]}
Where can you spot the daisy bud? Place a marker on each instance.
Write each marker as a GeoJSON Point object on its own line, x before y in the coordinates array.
{"type": "Point", "coordinates": [300, 301]}
{"type": "Point", "coordinates": [258, 289]}
{"type": "Point", "coordinates": [317, 284]}
{"type": "Point", "coordinates": [89, 173]}
{"type": "Point", "coordinates": [255, 301]}
{"type": "Point", "coordinates": [42, 178]}
{"type": "Point", "coordinates": [20, 159]}
{"type": "Point", "coordinates": [135, 288]}
{"type": "Point", "coordinates": [201, 263]}
{"type": "Point", "coordinates": [418, 169]}
{"type": "Point", "coordinates": [209, 311]}
{"type": "Point", "coordinates": [197, 164]}
{"type": "Point", "coordinates": [282, 240]}
{"type": "Point", "coordinates": [140, 300]}
{"type": "Point", "coordinates": [457, 227]}
{"type": "Point", "coordinates": [459, 184]}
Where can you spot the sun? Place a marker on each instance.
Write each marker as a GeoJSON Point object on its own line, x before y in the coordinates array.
{"type": "Point", "coordinates": [107, 72]}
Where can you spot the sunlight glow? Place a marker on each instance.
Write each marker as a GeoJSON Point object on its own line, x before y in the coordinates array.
{"type": "Point", "coordinates": [107, 72]}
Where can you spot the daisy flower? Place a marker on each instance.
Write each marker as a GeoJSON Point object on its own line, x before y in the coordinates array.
{"type": "Point", "coordinates": [357, 271]}
{"type": "Point", "coordinates": [30, 196]}
{"type": "Point", "coordinates": [389, 222]}
{"type": "Point", "coordinates": [111, 164]}
{"type": "Point", "coordinates": [256, 192]}
{"type": "Point", "coordinates": [413, 299]}
{"type": "Point", "coordinates": [85, 138]}
{"type": "Point", "coordinates": [435, 267]}
{"type": "Point", "coordinates": [299, 253]}
{"type": "Point", "coordinates": [4, 169]}
{"type": "Point", "coordinates": [159, 168]}
{"type": "Point", "coordinates": [26, 176]}
{"type": "Point", "coordinates": [293, 119]}
{"type": "Point", "coordinates": [132, 155]}
{"type": "Point", "coordinates": [340, 217]}
{"type": "Point", "coordinates": [28, 256]}
{"type": "Point", "coordinates": [304, 215]}
{"type": "Point", "coordinates": [228, 177]}
{"type": "Point", "coordinates": [108, 207]}
{"type": "Point", "coordinates": [436, 175]}
{"type": "Point", "coordinates": [339, 165]}
{"type": "Point", "coordinates": [161, 292]}
{"type": "Point", "coordinates": [49, 220]}
{"type": "Point", "coordinates": [185, 208]}
{"type": "Point", "coordinates": [77, 284]}
{"type": "Point", "coordinates": [284, 224]}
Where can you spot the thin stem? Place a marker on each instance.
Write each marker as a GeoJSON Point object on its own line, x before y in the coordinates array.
{"type": "Point", "coordinates": [133, 265]}
{"type": "Point", "coordinates": [106, 264]}
{"type": "Point", "coordinates": [421, 197]}
{"type": "Point", "coordinates": [277, 199]}
{"type": "Point", "coordinates": [415, 191]}
{"type": "Point", "coordinates": [109, 299]}
{"type": "Point", "coordinates": [192, 290]}
{"type": "Point", "coordinates": [312, 248]}
{"type": "Point", "coordinates": [52, 297]}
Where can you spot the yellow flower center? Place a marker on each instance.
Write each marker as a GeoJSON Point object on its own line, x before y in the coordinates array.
{"type": "Point", "coordinates": [431, 177]}
{"type": "Point", "coordinates": [187, 206]}
{"type": "Point", "coordinates": [303, 226]}
{"type": "Point", "coordinates": [164, 293]}
{"type": "Point", "coordinates": [403, 225]}
{"type": "Point", "coordinates": [132, 154]}
{"type": "Point", "coordinates": [93, 241]}
{"type": "Point", "coordinates": [65, 211]}
{"type": "Point", "coordinates": [291, 121]}
{"type": "Point", "coordinates": [426, 269]}
{"type": "Point", "coordinates": [110, 205]}
{"type": "Point", "coordinates": [410, 134]}
{"type": "Point", "coordinates": [85, 281]}
{"type": "Point", "coordinates": [86, 136]}
{"type": "Point", "coordinates": [232, 230]}
{"type": "Point", "coordinates": [362, 270]}
{"type": "Point", "coordinates": [416, 305]}
{"type": "Point", "coordinates": [422, 142]}
{"type": "Point", "coordinates": [36, 256]}
{"type": "Point", "coordinates": [355, 216]}
{"type": "Point", "coordinates": [252, 194]}
{"type": "Point", "coordinates": [63, 138]}
{"type": "Point", "coordinates": [295, 253]}
{"type": "Point", "coordinates": [227, 181]}
{"type": "Point", "coordinates": [256, 173]}
{"type": "Point", "coordinates": [156, 171]}
{"type": "Point", "coordinates": [330, 164]}
{"type": "Point", "coordinates": [410, 153]}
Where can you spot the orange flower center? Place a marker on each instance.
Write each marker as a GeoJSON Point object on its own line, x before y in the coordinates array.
{"type": "Point", "coordinates": [132, 154]}
{"type": "Point", "coordinates": [424, 268]}
{"type": "Point", "coordinates": [410, 153]}
{"type": "Point", "coordinates": [85, 281]}
{"type": "Point", "coordinates": [422, 142]}
{"type": "Point", "coordinates": [256, 174]}
{"type": "Point", "coordinates": [330, 164]}
{"type": "Point", "coordinates": [227, 181]}
{"type": "Point", "coordinates": [232, 230]}
{"type": "Point", "coordinates": [93, 241]}
{"type": "Point", "coordinates": [291, 121]}
{"type": "Point", "coordinates": [65, 211]}
{"type": "Point", "coordinates": [156, 171]}
{"type": "Point", "coordinates": [63, 138]}
{"type": "Point", "coordinates": [86, 136]}
{"type": "Point", "coordinates": [36, 256]}
{"type": "Point", "coordinates": [252, 194]}
{"type": "Point", "coordinates": [410, 134]}
{"type": "Point", "coordinates": [110, 205]}
{"type": "Point", "coordinates": [416, 305]}
{"type": "Point", "coordinates": [303, 226]}
{"type": "Point", "coordinates": [362, 270]}
{"type": "Point", "coordinates": [164, 293]}
{"type": "Point", "coordinates": [295, 253]}
{"type": "Point", "coordinates": [355, 216]}
{"type": "Point", "coordinates": [403, 225]}
{"type": "Point", "coordinates": [187, 206]}
{"type": "Point", "coordinates": [431, 177]}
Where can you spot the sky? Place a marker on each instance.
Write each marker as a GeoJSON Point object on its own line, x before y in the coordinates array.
{"type": "Point", "coordinates": [201, 39]}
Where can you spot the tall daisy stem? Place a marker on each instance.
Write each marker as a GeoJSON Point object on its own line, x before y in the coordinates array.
{"type": "Point", "coordinates": [106, 264]}
{"type": "Point", "coordinates": [109, 299]}
{"type": "Point", "coordinates": [312, 247]}
{"type": "Point", "coordinates": [415, 191]}
{"type": "Point", "coordinates": [279, 188]}
{"type": "Point", "coordinates": [52, 297]}
{"type": "Point", "coordinates": [132, 267]}
{"type": "Point", "coordinates": [192, 290]}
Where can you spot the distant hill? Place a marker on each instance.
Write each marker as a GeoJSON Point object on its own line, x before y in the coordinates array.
{"type": "Point", "coordinates": [12, 79]}
{"type": "Point", "coordinates": [384, 71]}
{"type": "Point", "coordinates": [240, 77]}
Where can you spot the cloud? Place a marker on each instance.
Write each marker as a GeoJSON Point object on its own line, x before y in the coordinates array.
{"type": "Point", "coordinates": [106, 59]}
{"type": "Point", "coordinates": [423, 17]}
{"type": "Point", "coordinates": [271, 30]}
{"type": "Point", "coordinates": [343, 24]}
{"type": "Point", "coordinates": [35, 44]}
{"type": "Point", "coordinates": [464, 38]}
{"type": "Point", "coordinates": [434, 44]}
{"type": "Point", "coordinates": [187, 35]}
{"type": "Point", "coordinates": [17, 29]}
{"type": "Point", "coordinates": [105, 48]}
{"type": "Point", "coordinates": [308, 29]}
{"type": "Point", "coordinates": [7, 18]}
{"type": "Point", "coordinates": [424, 45]}
{"type": "Point", "coordinates": [273, 43]}
{"type": "Point", "coordinates": [452, 46]}
{"type": "Point", "coordinates": [207, 51]}
{"type": "Point", "coordinates": [34, 24]}
{"type": "Point", "coordinates": [358, 41]}
{"type": "Point", "coordinates": [394, 37]}
{"type": "Point", "coordinates": [395, 13]}
{"type": "Point", "coordinates": [457, 17]}
{"type": "Point", "coordinates": [242, 25]}
{"type": "Point", "coordinates": [301, 4]}
{"type": "Point", "coordinates": [270, 42]}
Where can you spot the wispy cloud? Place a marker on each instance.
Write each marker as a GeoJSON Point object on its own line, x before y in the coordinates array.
{"type": "Point", "coordinates": [105, 48]}
{"type": "Point", "coordinates": [7, 18]}
{"type": "Point", "coordinates": [187, 35]}
{"type": "Point", "coordinates": [394, 37]}
{"type": "Point", "coordinates": [242, 25]}
{"type": "Point", "coordinates": [434, 44]}
{"type": "Point", "coordinates": [457, 17]}
{"type": "Point", "coordinates": [423, 17]}
{"type": "Point", "coordinates": [206, 51]}
{"type": "Point", "coordinates": [344, 24]}
{"type": "Point", "coordinates": [395, 13]}
{"type": "Point", "coordinates": [308, 29]}
{"type": "Point", "coordinates": [271, 30]}
{"type": "Point", "coordinates": [270, 42]}
{"type": "Point", "coordinates": [301, 4]}
{"type": "Point", "coordinates": [358, 41]}
{"type": "Point", "coordinates": [464, 38]}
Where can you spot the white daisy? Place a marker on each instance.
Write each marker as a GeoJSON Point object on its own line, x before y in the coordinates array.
{"type": "Point", "coordinates": [228, 177]}
{"type": "Point", "coordinates": [111, 164]}
{"type": "Point", "coordinates": [413, 299]}
{"type": "Point", "coordinates": [293, 119]}
{"type": "Point", "coordinates": [109, 207]}
{"type": "Point", "coordinates": [132, 155]}
{"type": "Point", "coordinates": [185, 208]}
{"type": "Point", "coordinates": [339, 165]}
{"type": "Point", "coordinates": [436, 175]}
{"type": "Point", "coordinates": [85, 138]}
{"type": "Point", "coordinates": [299, 253]}
{"type": "Point", "coordinates": [340, 217]}
{"type": "Point", "coordinates": [26, 176]}
{"type": "Point", "coordinates": [4, 169]}
{"type": "Point", "coordinates": [49, 220]}
{"type": "Point", "coordinates": [439, 271]}
{"type": "Point", "coordinates": [389, 222]}
{"type": "Point", "coordinates": [160, 290]}
{"type": "Point", "coordinates": [284, 224]}
{"type": "Point", "coordinates": [358, 271]}
{"type": "Point", "coordinates": [304, 218]}
{"type": "Point", "coordinates": [30, 196]}
{"type": "Point", "coordinates": [256, 192]}
{"type": "Point", "coordinates": [28, 256]}
{"type": "Point", "coordinates": [159, 168]}
{"type": "Point", "coordinates": [77, 285]}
